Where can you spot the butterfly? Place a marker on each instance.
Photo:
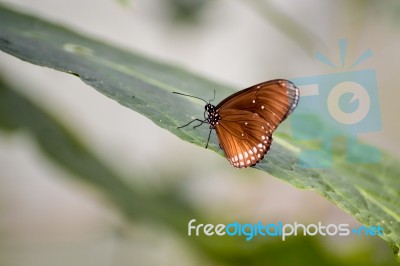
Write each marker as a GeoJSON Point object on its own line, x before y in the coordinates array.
{"type": "Point", "coordinates": [244, 122]}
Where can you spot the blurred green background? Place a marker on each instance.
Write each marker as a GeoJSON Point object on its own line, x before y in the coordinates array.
{"type": "Point", "coordinates": [117, 190]}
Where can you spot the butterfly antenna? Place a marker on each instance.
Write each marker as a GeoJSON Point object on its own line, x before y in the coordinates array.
{"type": "Point", "coordinates": [190, 96]}
{"type": "Point", "coordinates": [212, 98]}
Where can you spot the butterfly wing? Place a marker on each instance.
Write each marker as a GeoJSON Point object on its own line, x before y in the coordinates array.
{"type": "Point", "coordinates": [244, 137]}
{"type": "Point", "coordinates": [249, 117]}
{"type": "Point", "coordinates": [278, 96]}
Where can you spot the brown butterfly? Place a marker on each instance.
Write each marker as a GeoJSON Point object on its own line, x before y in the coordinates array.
{"type": "Point", "coordinates": [245, 121]}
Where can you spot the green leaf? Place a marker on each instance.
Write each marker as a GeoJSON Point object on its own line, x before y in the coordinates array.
{"type": "Point", "coordinates": [167, 208]}
{"type": "Point", "coordinates": [65, 149]}
{"type": "Point", "coordinates": [370, 192]}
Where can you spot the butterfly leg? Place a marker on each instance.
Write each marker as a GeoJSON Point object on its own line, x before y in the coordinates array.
{"type": "Point", "coordinates": [202, 122]}
{"type": "Point", "coordinates": [209, 135]}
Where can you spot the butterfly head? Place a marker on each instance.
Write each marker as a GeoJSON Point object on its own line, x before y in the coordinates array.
{"type": "Point", "coordinates": [211, 115]}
